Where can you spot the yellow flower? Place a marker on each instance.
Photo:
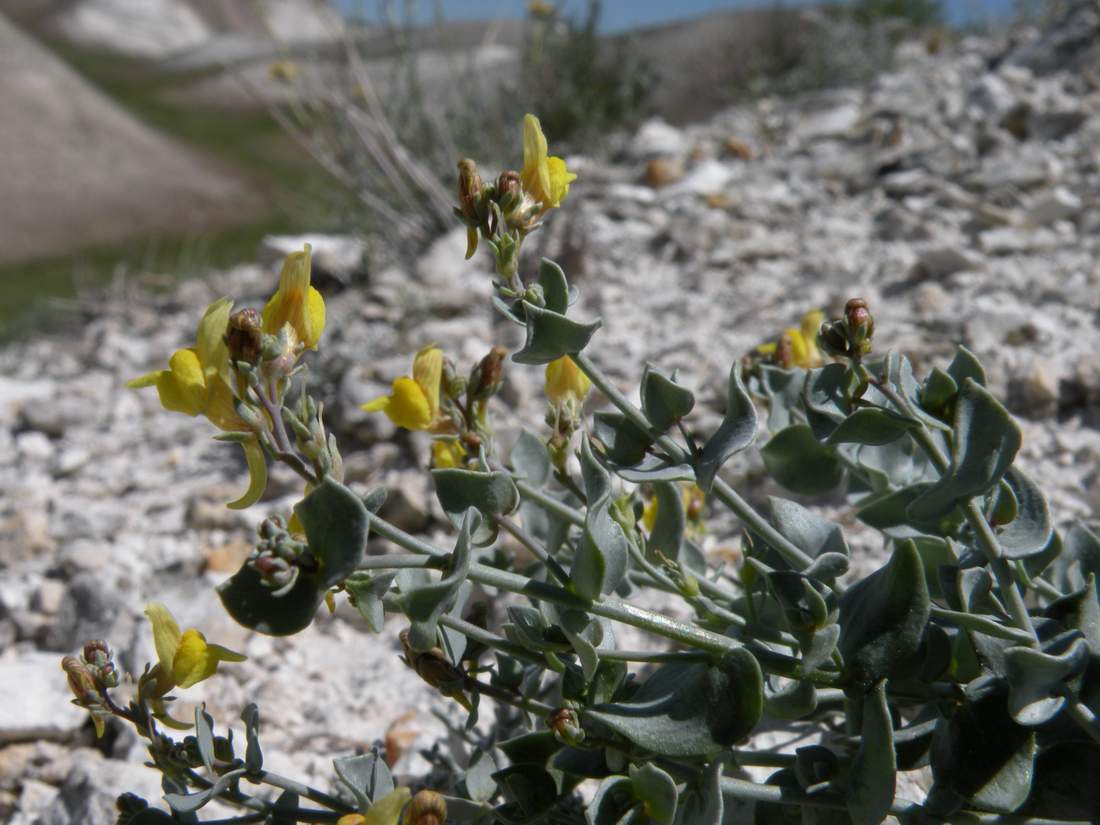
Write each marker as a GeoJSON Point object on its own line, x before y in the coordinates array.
{"type": "Point", "coordinates": [386, 811]}
{"type": "Point", "coordinates": [544, 177]}
{"type": "Point", "coordinates": [295, 302]}
{"type": "Point", "coordinates": [797, 346]}
{"type": "Point", "coordinates": [413, 403]}
{"type": "Point", "coordinates": [447, 453]}
{"type": "Point", "coordinates": [565, 381]}
{"type": "Point", "coordinates": [196, 381]}
{"type": "Point", "coordinates": [183, 659]}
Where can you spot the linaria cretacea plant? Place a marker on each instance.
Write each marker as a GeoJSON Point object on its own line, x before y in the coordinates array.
{"type": "Point", "coordinates": [972, 653]}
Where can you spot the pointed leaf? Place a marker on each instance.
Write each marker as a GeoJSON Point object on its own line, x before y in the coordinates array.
{"type": "Point", "coordinates": [734, 434]}
{"type": "Point", "coordinates": [664, 402]}
{"type": "Point", "coordinates": [799, 462]}
{"type": "Point", "coordinates": [873, 778]}
{"type": "Point", "coordinates": [600, 561]}
{"type": "Point", "coordinates": [550, 335]}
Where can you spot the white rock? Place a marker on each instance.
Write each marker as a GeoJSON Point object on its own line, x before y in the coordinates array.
{"type": "Point", "coordinates": [655, 138]}
{"type": "Point", "coordinates": [939, 262]}
{"type": "Point", "coordinates": [1059, 204]}
{"type": "Point", "coordinates": [706, 178]}
{"type": "Point", "coordinates": [836, 122]}
{"type": "Point", "coordinates": [144, 28]}
{"type": "Point", "coordinates": [34, 699]}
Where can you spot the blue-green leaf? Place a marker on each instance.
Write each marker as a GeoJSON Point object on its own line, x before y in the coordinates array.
{"type": "Point", "coordinates": [734, 434]}
{"type": "Point", "coordinates": [873, 778]}
{"type": "Point", "coordinates": [882, 617]}
{"type": "Point", "coordinates": [550, 335]}
{"type": "Point", "coordinates": [656, 790]}
{"type": "Point", "coordinates": [530, 459]}
{"type": "Point", "coordinates": [600, 561]}
{"type": "Point", "coordinates": [491, 494]}
{"type": "Point", "coordinates": [664, 402]}
{"type": "Point", "coordinates": [1036, 677]}
{"type": "Point", "coordinates": [800, 463]}
{"type": "Point", "coordinates": [873, 426]}
{"type": "Point", "coordinates": [367, 776]}
{"type": "Point", "coordinates": [425, 603]}
{"type": "Point", "coordinates": [687, 710]}
{"type": "Point", "coordinates": [986, 441]}
{"type": "Point", "coordinates": [1030, 531]}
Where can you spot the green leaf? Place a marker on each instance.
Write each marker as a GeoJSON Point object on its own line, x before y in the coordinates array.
{"type": "Point", "coordinates": [425, 603]}
{"type": "Point", "coordinates": [530, 459]}
{"type": "Point", "coordinates": [873, 778]}
{"type": "Point", "coordinates": [686, 710]}
{"type": "Point", "coordinates": [366, 591]}
{"type": "Point", "coordinates": [253, 755]}
{"type": "Point", "coordinates": [702, 802]}
{"type": "Point", "coordinates": [186, 803]}
{"type": "Point", "coordinates": [891, 515]}
{"type": "Point", "coordinates": [986, 441]}
{"type": "Point", "coordinates": [783, 389]}
{"type": "Point", "coordinates": [550, 335]}
{"type": "Point", "coordinates": [335, 523]}
{"type": "Point", "coordinates": [367, 776]}
{"type": "Point", "coordinates": [656, 790]}
{"type": "Point", "coordinates": [664, 402]}
{"type": "Point", "coordinates": [980, 756]}
{"type": "Point", "coordinates": [1035, 677]}
{"type": "Point", "coordinates": [828, 390]}
{"type": "Point", "coordinates": [529, 787]}
{"type": "Point", "coordinates": [555, 287]}
{"type": "Point", "coordinates": [600, 561]}
{"type": "Point", "coordinates": [1030, 531]}
{"type": "Point", "coordinates": [938, 392]}
{"type": "Point", "coordinates": [872, 426]}
{"type": "Point", "coordinates": [651, 470]}
{"type": "Point", "coordinates": [966, 365]}
{"type": "Point", "coordinates": [478, 779]}
{"type": "Point", "coordinates": [285, 808]}
{"type": "Point", "coordinates": [734, 434]}
{"type": "Point", "coordinates": [805, 529]}
{"type": "Point", "coordinates": [794, 700]}
{"type": "Point", "coordinates": [491, 494]}
{"type": "Point", "coordinates": [800, 463]}
{"type": "Point", "coordinates": [204, 735]}
{"type": "Point", "coordinates": [625, 443]}
{"type": "Point", "coordinates": [667, 535]}
{"type": "Point", "coordinates": [612, 803]}
{"type": "Point", "coordinates": [882, 617]}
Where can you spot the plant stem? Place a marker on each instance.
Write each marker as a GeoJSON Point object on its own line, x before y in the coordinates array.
{"type": "Point", "coordinates": [548, 502]}
{"type": "Point", "coordinates": [310, 793]}
{"type": "Point", "coordinates": [981, 624]}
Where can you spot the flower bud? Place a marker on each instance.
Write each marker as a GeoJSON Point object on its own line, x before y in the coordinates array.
{"type": "Point", "coordinates": [426, 808]}
{"type": "Point", "coordinates": [486, 377]}
{"type": "Point", "coordinates": [509, 191]}
{"type": "Point", "coordinates": [566, 726]}
{"type": "Point", "coordinates": [861, 326]}
{"type": "Point", "coordinates": [96, 652]}
{"type": "Point", "coordinates": [244, 336]}
{"type": "Point", "coordinates": [81, 681]}
{"type": "Point", "coordinates": [469, 191]}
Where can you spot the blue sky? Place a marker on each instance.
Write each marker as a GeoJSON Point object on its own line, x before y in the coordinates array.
{"type": "Point", "coordinates": [625, 14]}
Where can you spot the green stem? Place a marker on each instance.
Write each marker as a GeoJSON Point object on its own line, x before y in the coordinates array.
{"type": "Point", "coordinates": [394, 561]}
{"type": "Point", "coordinates": [549, 503]}
{"type": "Point", "coordinates": [981, 624]}
{"type": "Point", "coordinates": [310, 793]}
{"type": "Point", "coordinates": [1082, 714]}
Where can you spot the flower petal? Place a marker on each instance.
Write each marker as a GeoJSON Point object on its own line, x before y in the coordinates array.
{"type": "Point", "coordinates": [535, 175]}
{"type": "Point", "coordinates": [210, 344]}
{"type": "Point", "coordinates": [194, 661]}
{"type": "Point", "coordinates": [221, 407]}
{"type": "Point", "coordinates": [428, 373]}
{"type": "Point", "coordinates": [447, 453]}
{"type": "Point", "coordinates": [379, 404]}
{"type": "Point", "coordinates": [293, 302]}
{"type": "Point", "coordinates": [257, 476]}
{"type": "Point", "coordinates": [559, 180]}
{"type": "Point", "coordinates": [408, 406]}
{"type": "Point", "coordinates": [182, 387]}
{"type": "Point", "coordinates": [166, 634]}
{"type": "Point", "coordinates": [565, 381]}
{"type": "Point", "coordinates": [147, 380]}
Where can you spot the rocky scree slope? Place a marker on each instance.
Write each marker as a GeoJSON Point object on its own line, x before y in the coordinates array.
{"type": "Point", "coordinates": [957, 192]}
